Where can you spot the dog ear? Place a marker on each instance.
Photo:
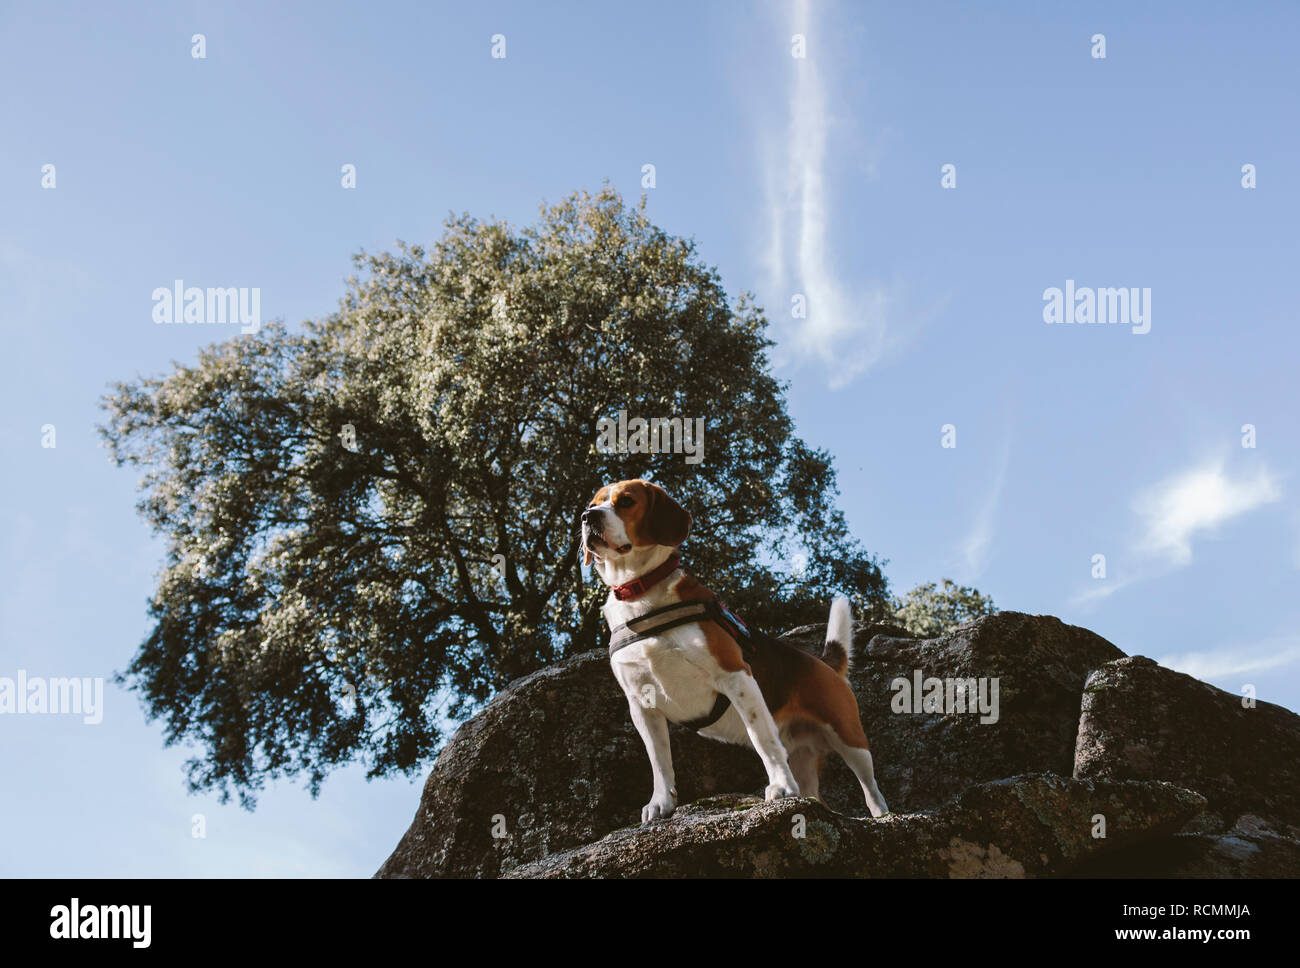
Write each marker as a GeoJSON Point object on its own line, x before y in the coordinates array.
{"type": "Point", "coordinates": [667, 522]}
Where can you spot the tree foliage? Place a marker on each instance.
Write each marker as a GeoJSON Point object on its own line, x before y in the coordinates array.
{"type": "Point", "coordinates": [928, 610]}
{"type": "Point", "coordinates": [371, 519]}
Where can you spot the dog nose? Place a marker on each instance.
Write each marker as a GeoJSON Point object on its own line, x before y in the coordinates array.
{"type": "Point", "coordinates": [588, 513]}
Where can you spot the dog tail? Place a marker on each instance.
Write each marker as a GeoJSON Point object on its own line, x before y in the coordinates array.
{"type": "Point", "coordinates": [839, 637]}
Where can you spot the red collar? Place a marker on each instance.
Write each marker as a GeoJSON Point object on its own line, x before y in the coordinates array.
{"type": "Point", "coordinates": [634, 589]}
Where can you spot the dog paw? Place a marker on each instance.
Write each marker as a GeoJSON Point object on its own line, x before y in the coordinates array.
{"type": "Point", "coordinates": [658, 809]}
{"type": "Point", "coordinates": [775, 791]}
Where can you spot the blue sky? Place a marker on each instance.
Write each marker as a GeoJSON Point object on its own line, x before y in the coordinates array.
{"type": "Point", "coordinates": [819, 176]}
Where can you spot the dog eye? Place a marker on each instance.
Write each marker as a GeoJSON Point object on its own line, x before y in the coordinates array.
{"type": "Point", "coordinates": [624, 502]}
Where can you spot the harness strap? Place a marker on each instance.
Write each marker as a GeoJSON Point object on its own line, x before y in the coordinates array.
{"type": "Point", "coordinates": [720, 707]}
{"type": "Point", "coordinates": [644, 627]}
{"type": "Point", "coordinates": [685, 613]}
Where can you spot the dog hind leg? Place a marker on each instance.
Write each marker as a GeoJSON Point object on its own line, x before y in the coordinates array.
{"type": "Point", "coordinates": [805, 764]}
{"type": "Point", "coordinates": [859, 761]}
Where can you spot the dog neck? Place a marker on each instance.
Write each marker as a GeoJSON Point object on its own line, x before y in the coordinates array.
{"type": "Point", "coordinates": [631, 567]}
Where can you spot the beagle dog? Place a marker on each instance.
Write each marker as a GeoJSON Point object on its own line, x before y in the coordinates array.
{"type": "Point", "coordinates": [688, 661]}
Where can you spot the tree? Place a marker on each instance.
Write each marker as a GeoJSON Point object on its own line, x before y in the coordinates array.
{"type": "Point", "coordinates": [927, 610]}
{"type": "Point", "coordinates": [371, 520]}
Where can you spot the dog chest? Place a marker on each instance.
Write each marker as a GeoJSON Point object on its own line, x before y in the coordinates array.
{"type": "Point", "coordinates": [674, 673]}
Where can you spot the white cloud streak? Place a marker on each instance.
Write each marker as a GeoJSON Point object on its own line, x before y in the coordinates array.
{"type": "Point", "coordinates": [845, 328]}
{"type": "Point", "coordinates": [975, 548]}
{"type": "Point", "coordinates": [1183, 507]}
{"type": "Point", "coordinates": [1220, 663]}
{"type": "Point", "coordinates": [1195, 502]}
{"type": "Point", "coordinates": [1102, 589]}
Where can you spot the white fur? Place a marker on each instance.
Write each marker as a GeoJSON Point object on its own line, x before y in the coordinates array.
{"type": "Point", "coordinates": [863, 767]}
{"type": "Point", "coordinates": [675, 677]}
{"type": "Point", "coordinates": [839, 628]}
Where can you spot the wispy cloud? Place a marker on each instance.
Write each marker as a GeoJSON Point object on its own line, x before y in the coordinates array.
{"type": "Point", "coordinates": [1102, 589]}
{"type": "Point", "coordinates": [975, 548]}
{"type": "Point", "coordinates": [1174, 512]}
{"type": "Point", "coordinates": [1197, 501]}
{"type": "Point", "coordinates": [846, 328]}
{"type": "Point", "coordinates": [1238, 660]}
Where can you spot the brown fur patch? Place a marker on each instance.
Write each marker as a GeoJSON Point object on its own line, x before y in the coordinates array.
{"type": "Point", "coordinates": [724, 649]}
{"type": "Point", "coordinates": [722, 646]}
{"type": "Point", "coordinates": [836, 656]}
{"type": "Point", "coordinates": [636, 519]}
{"type": "Point", "coordinates": [688, 589]}
{"type": "Point", "coordinates": [653, 518]}
{"type": "Point", "coordinates": [798, 688]}
{"type": "Point", "coordinates": [667, 522]}
{"type": "Point", "coordinates": [805, 688]}
{"type": "Point", "coordinates": [833, 702]}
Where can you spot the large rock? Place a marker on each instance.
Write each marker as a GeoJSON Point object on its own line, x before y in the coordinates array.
{"type": "Point", "coordinates": [553, 761]}
{"type": "Point", "coordinates": [925, 759]}
{"type": "Point", "coordinates": [535, 784]}
{"type": "Point", "coordinates": [1026, 826]}
{"type": "Point", "coordinates": [1250, 848]}
{"type": "Point", "coordinates": [1141, 721]}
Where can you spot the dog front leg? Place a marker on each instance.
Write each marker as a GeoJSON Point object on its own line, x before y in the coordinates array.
{"type": "Point", "coordinates": [745, 695]}
{"type": "Point", "coordinates": [653, 727]}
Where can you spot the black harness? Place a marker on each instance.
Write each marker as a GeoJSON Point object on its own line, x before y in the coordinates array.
{"type": "Point", "coordinates": [649, 625]}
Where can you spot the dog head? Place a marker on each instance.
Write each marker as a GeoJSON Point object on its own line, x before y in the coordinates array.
{"type": "Point", "coordinates": [628, 517]}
